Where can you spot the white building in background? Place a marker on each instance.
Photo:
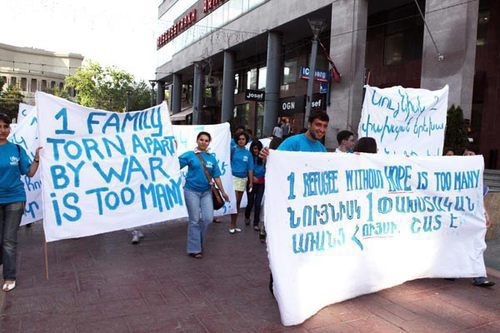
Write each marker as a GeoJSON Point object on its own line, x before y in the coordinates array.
{"type": "Point", "coordinates": [35, 69]}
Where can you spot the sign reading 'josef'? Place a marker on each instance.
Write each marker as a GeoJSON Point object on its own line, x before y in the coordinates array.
{"type": "Point", "coordinates": [255, 95]}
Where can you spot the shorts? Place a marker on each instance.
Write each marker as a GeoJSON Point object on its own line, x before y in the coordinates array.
{"type": "Point", "coordinates": [239, 184]}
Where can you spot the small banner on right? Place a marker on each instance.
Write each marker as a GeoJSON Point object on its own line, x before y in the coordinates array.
{"type": "Point", "coordinates": [405, 121]}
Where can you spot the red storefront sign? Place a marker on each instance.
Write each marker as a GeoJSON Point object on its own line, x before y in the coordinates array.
{"type": "Point", "coordinates": [209, 5]}
{"type": "Point", "coordinates": [182, 24]}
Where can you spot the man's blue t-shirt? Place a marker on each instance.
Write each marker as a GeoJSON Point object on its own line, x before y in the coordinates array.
{"type": "Point", "coordinates": [196, 180]}
{"type": "Point", "coordinates": [301, 142]}
{"type": "Point", "coordinates": [14, 162]}
{"type": "Point", "coordinates": [241, 162]}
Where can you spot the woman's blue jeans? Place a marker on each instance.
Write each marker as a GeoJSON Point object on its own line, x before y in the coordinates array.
{"type": "Point", "coordinates": [201, 213]}
{"type": "Point", "coordinates": [10, 218]}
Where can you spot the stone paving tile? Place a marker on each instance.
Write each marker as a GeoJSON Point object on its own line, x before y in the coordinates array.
{"type": "Point", "coordinates": [105, 284]}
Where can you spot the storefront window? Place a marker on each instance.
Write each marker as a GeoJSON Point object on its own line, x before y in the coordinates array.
{"type": "Point", "coordinates": [252, 79]}
{"type": "Point", "coordinates": [262, 78]}
{"type": "Point", "coordinates": [290, 71]}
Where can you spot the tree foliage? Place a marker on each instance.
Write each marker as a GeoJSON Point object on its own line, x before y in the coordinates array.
{"type": "Point", "coordinates": [456, 130]}
{"type": "Point", "coordinates": [10, 99]}
{"type": "Point", "coordinates": [107, 88]}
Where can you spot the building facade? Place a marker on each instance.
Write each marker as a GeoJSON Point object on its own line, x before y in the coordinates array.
{"type": "Point", "coordinates": [34, 69]}
{"type": "Point", "coordinates": [247, 61]}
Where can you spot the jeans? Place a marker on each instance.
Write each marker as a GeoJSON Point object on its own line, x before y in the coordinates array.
{"type": "Point", "coordinates": [201, 213]}
{"type": "Point", "coordinates": [254, 200]}
{"type": "Point", "coordinates": [10, 218]}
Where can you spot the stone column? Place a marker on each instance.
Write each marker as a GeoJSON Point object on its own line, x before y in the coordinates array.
{"type": "Point", "coordinates": [347, 49]}
{"type": "Point", "coordinates": [197, 93]}
{"type": "Point", "coordinates": [227, 87]}
{"type": "Point", "coordinates": [160, 93]}
{"type": "Point", "coordinates": [455, 32]}
{"type": "Point", "coordinates": [273, 82]}
{"type": "Point", "coordinates": [176, 93]}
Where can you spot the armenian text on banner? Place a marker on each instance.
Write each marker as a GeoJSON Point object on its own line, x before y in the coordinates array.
{"type": "Point", "coordinates": [405, 121]}
{"type": "Point", "coordinates": [342, 226]}
{"type": "Point", "coordinates": [25, 134]}
{"type": "Point", "coordinates": [185, 136]}
{"type": "Point", "coordinates": [104, 171]}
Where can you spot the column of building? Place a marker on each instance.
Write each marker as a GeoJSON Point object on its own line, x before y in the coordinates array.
{"type": "Point", "coordinates": [273, 81]}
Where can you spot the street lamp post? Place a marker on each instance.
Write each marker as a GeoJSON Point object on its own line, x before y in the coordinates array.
{"type": "Point", "coordinates": [153, 84]}
{"type": "Point", "coordinates": [316, 27]}
{"type": "Point", "coordinates": [127, 105]}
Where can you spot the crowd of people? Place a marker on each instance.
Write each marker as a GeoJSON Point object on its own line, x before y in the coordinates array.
{"type": "Point", "coordinates": [203, 175]}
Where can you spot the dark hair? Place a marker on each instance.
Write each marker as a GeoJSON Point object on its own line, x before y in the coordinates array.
{"type": "Point", "coordinates": [318, 115]}
{"type": "Point", "coordinates": [204, 133]}
{"type": "Point", "coordinates": [237, 135]}
{"type": "Point", "coordinates": [258, 144]}
{"type": "Point", "coordinates": [447, 149]}
{"type": "Point", "coordinates": [366, 145]}
{"type": "Point", "coordinates": [275, 142]}
{"type": "Point", "coordinates": [344, 135]}
{"type": "Point", "coordinates": [5, 118]}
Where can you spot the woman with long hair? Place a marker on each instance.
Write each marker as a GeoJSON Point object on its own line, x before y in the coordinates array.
{"type": "Point", "coordinates": [255, 196]}
{"type": "Point", "coordinates": [198, 192]}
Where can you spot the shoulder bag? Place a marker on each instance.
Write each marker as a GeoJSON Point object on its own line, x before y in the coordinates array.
{"type": "Point", "coordinates": [216, 194]}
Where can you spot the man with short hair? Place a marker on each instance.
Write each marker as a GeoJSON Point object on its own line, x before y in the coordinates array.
{"type": "Point", "coordinates": [346, 141]}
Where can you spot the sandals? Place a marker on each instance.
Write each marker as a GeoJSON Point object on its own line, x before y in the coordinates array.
{"type": "Point", "coordinates": [234, 230]}
{"type": "Point", "coordinates": [9, 286]}
{"type": "Point", "coordinates": [198, 255]}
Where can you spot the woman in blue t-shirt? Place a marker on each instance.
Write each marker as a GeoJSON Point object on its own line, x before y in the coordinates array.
{"type": "Point", "coordinates": [198, 192]}
{"type": "Point", "coordinates": [242, 169]}
{"type": "Point", "coordinates": [14, 162]}
{"type": "Point", "coordinates": [255, 196]}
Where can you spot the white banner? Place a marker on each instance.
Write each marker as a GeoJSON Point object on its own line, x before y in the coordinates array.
{"type": "Point", "coordinates": [25, 134]}
{"type": "Point", "coordinates": [105, 171]}
{"type": "Point", "coordinates": [185, 135]}
{"type": "Point", "coordinates": [23, 111]}
{"type": "Point", "coordinates": [337, 230]}
{"type": "Point", "coordinates": [405, 121]}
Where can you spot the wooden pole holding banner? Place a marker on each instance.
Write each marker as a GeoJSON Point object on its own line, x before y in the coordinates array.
{"type": "Point", "coordinates": [46, 261]}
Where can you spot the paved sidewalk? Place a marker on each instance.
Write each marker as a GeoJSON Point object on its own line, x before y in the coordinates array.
{"type": "Point", "coordinates": [105, 284]}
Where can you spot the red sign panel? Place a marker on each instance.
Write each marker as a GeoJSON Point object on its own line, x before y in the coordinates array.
{"type": "Point", "coordinates": [182, 24]}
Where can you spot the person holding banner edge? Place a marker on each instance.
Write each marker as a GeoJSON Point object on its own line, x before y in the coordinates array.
{"type": "Point", "coordinates": [14, 162]}
{"type": "Point", "coordinates": [306, 142]}
{"type": "Point", "coordinates": [198, 192]}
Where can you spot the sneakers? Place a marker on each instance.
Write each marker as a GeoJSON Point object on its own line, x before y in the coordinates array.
{"type": "Point", "coordinates": [482, 282]}
{"type": "Point", "coordinates": [256, 228]}
{"type": "Point", "coordinates": [136, 236]}
{"type": "Point", "coordinates": [234, 230]}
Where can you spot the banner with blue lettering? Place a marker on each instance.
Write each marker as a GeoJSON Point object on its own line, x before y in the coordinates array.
{"type": "Point", "coordinates": [340, 226]}
{"type": "Point", "coordinates": [105, 171]}
{"type": "Point", "coordinates": [185, 135]}
{"type": "Point", "coordinates": [25, 134]}
{"type": "Point", "coordinates": [405, 121]}
{"type": "Point", "coordinates": [23, 111]}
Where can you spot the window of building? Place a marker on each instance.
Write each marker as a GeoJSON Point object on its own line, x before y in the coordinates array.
{"type": "Point", "coordinates": [252, 79]}
{"type": "Point", "coordinates": [61, 85]}
{"type": "Point", "coordinates": [290, 71]}
{"type": "Point", "coordinates": [262, 78]}
{"type": "Point", "coordinates": [44, 85]}
{"type": "Point", "coordinates": [13, 80]}
{"type": "Point", "coordinates": [52, 84]}
{"type": "Point", "coordinates": [24, 84]}
{"type": "Point", "coordinates": [236, 83]}
{"type": "Point", "coordinates": [4, 80]}
{"type": "Point", "coordinates": [33, 87]}
{"type": "Point", "coordinates": [482, 27]}
{"type": "Point", "coordinates": [393, 49]}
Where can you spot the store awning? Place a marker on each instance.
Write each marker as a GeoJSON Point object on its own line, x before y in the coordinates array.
{"type": "Point", "coordinates": [181, 116]}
